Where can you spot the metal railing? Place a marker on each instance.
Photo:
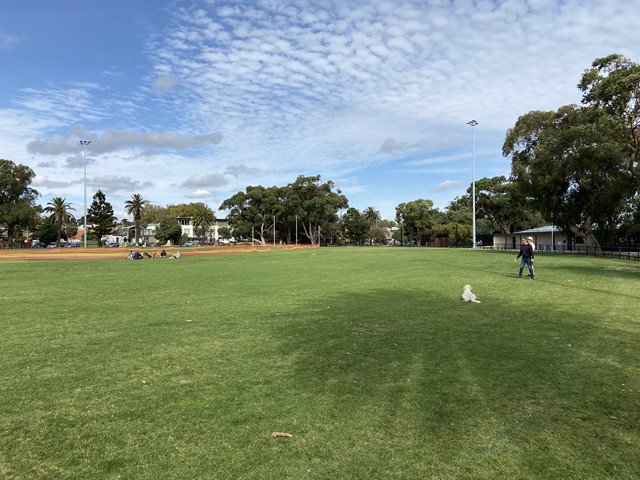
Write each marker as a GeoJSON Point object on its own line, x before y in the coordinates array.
{"type": "Point", "coordinates": [607, 251]}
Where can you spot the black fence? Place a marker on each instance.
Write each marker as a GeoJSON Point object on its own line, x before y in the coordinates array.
{"type": "Point", "coordinates": [615, 251]}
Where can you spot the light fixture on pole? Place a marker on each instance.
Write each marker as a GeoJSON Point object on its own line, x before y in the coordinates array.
{"type": "Point", "coordinates": [84, 144]}
{"type": "Point", "coordinates": [473, 124]}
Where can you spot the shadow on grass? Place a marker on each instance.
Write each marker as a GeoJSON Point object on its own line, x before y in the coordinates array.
{"type": "Point", "coordinates": [493, 390]}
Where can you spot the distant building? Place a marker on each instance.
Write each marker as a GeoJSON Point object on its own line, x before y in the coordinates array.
{"type": "Point", "coordinates": [212, 236]}
{"type": "Point", "coordinates": [548, 238]}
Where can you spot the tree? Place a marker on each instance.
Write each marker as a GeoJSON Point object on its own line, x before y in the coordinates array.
{"type": "Point", "coordinates": [184, 210]}
{"type": "Point", "coordinates": [456, 233]}
{"type": "Point", "coordinates": [306, 202]}
{"type": "Point", "coordinates": [387, 223]}
{"type": "Point", "coordinates": [203, 219]}
{"type": "Point", "coordinates": [46, 232]}
{"type": "Point", "coordinates": [354, 226]}
{"type": "Point", "coordinates": [499, 201]}
{"type": "Point", "coordinates": [580, 164]}
{"type": "Point", "coordinates": [154, 214]}
{"type": "Point", "coordinates": [251, 213]}
{"type": "Point", "coordinates": [417, 218]}
{"type": "Point", "coordinates": [225, 232]}
{"type": "Point", "coordinates": [168, 229]}
{"type": "Point", "coordinates": [613, 85]}
{"type": "Point", "coordinates": [58, 210]}
{"type": "Point", "coordinates": [136, 207]}
{"type": "Point", "coordinates": [100, 216]}
{"type": "Point", "coordinates": [567, 162]}
{"type": "Point", "coordinates": [371, 215]}
{"type": "Point", "coordinates": [17, 199]}
{"type": "Point", "coordinates": [378, 234]}
{"type": "Point", "coordinates": [315, 205]}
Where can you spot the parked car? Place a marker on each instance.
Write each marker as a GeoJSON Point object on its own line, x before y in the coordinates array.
{"type": "Point", "coordinates": [38, 245]}
{"type": "Point", "coordinates": [52, 245]}
{"type": "Point", "coordinates": [112, 245]}
{"type": "Point", "coordinates": [188, 244]}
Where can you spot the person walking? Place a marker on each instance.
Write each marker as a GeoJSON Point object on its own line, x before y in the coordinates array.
{"type": "Point", "coordinates": [526, 252]}
{"type": "Point", "coordinates": [533, 253]}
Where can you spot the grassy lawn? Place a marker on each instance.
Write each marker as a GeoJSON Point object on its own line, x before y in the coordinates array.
{"type": "Point", "coordinates": [162, 369]}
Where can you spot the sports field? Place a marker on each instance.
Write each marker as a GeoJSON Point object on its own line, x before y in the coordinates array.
{"type": "Point", "coordinates": [366, 357]}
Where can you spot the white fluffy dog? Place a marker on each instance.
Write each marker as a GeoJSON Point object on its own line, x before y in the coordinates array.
{"type": "Point", "coordinates": [468, 295]}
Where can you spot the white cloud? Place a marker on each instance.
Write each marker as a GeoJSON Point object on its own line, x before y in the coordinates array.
{"type": "Point", "coordinates": [165, 83]}
{"type": "Point", "coordinates": [109, 141]}
{"type": "Point", "coordinates": [8, 40]}
{"type": "Point", "coordinates": [200, 194]}
{"type": "Point", "coordinates": [448, 185]}
{"type": "Point", "coordinates": [206, 180]}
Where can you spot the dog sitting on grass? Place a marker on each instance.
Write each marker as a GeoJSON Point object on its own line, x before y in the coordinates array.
{"type": "Point", "coordinates": [468, 295]}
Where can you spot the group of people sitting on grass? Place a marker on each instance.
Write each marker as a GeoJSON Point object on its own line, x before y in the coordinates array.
{"type": "Point", "coordinates": [139, 256]}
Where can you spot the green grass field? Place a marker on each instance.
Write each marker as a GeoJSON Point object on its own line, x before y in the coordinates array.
{"type": "Point", "coordinates": [163, 369]}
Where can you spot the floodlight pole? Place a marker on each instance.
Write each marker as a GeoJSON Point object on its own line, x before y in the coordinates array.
{"type": "Point", "coordinates": [84, 144]}
{"type": "Point", "coordinates": [473, 124]}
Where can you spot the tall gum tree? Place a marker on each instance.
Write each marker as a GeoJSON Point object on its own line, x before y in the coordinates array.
{"type": "Point", "coordinates": [579, 164]}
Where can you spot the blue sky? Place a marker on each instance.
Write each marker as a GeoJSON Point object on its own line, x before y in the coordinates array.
{"type": "Point", "coordinates": [188, 101]}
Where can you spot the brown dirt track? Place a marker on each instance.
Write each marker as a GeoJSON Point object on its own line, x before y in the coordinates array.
{"type": "Point", "coordinates": [122, 252]}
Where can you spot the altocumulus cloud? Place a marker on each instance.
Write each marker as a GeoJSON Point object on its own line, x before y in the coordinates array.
{"type": "Point", "coordinates": [209, 180]}
{"type": "Point", "coordinates": [110, 141]}
{"type": "Point", "coordinates": [448, 185]}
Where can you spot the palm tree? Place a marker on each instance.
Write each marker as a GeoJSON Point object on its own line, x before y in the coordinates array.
{"type": "Point", "coordinates": [58, 208]}
{"type": "Point", "coordinates": [203, 218]}
{"type": "Point", "coordinates": [135, 207]}
{"type": "Point", "coordinates": [371, 215]}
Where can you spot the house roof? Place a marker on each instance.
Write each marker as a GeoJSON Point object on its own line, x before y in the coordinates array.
{"type": "Point", "coordinates": [531, 231]}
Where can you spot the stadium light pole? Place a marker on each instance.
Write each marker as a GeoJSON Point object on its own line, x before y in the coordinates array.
{"type": "Point", "coordinates": [84, 144]}
{"type": "Point", "coordinates": [473, 124]}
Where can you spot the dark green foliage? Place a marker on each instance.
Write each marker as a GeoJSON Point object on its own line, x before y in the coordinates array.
{"type": "Point", "coordinates": [417, 219]}
{"type": "Point", "coordinates": [202, 219]}
{"type": "Point", "coordinates": [136, 207]}
{"type": "Point", "coordinates": [46, 232]}
{"type": "Point", "coordinates": [100, 216]}
{"type": "Point", "coordinates": [579, 165]}
{"type": "Point", "coordinates": [305, 206]}
{"type": "Point", "coordinates": [59, 211]}
{"type": "Point", "coordinates": [355, 227]}
{"type": "Point", "coordinates": [17, 199]}
{"type": "Point", "coordinates": [169, 229]}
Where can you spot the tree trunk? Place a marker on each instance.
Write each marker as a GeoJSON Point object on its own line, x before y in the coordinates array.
{"type": "Point", "coordinates": [585, 232]}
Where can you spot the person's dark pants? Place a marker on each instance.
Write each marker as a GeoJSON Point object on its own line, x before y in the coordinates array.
{"type": "Point", "coordinates": [527, 262]}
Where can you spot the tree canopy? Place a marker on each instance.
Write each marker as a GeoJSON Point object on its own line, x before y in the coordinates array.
{"type": "Point", "coordinates": [417, 218]}
{"type": "Point", "coordinates": [168, 229]}
{"type": "Point", "coordinates": [579, 164]}
{"type": "Point", "coordinates": [306, 202]}
{"type": "Point", "coordinates": [203, 219]}
{"type": "Point", "coordinates": [100, 216]}
{"type": "Point", "coordinates": [355, 227]}
{"type": "Point", "coordinates": [136, 207]}
{"type": "Point", "coordinates": [59, 211]}
{"type": "Point", "coordinates": [17, 198]}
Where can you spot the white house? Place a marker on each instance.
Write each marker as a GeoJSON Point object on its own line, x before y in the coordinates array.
{"type": "Point", "coordinates": [212, 235]}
